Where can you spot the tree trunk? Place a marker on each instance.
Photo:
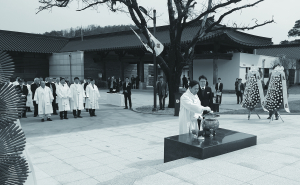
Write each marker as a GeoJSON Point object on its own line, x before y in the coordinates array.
{"type": "Point", "coordinates": [173, 83]}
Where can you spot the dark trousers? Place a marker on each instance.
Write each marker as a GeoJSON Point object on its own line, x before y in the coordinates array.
{"type": "Point", "coordinates": [35, 108]}
{"type": "Point", "coordinates": [92, 112]}
{"type": "Point", "coordinates": [24, 112]}
{"type": "Point", "coordinates": [63, 114]}
{"type": "Point", "coordinates": [54, 107]}
{"type": "Point", "coordinates": [137, 85]}
{"type": "Point", "coordinates": [239, 96]}
{"type": "Point", "coordinates": [273, 112]}
{"type": "Point", "coordinates": [76, 113]}
{"type": "Point", "coordinates": [219, 99]}
{"type": "Point", "coordinates": [162, 101]}
{"type": "Point", "coordinates": [127, 96]}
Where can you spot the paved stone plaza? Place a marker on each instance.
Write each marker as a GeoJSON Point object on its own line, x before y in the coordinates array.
{"type": "Point", "coordinates": [124, 147]}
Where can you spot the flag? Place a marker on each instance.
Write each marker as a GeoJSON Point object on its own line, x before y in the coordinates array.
{"type": "Point", "coordinates": [158, 47]}
{"type": "Point", "coordinates": [146, 46]}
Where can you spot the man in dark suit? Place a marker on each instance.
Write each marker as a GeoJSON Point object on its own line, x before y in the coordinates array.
{"type": "Point", "coordinates": [239, 90]}
{"type": "Point", "coordinates": [127, 92]}
{"type": "Point", "coordinates": [184, 82]}
{"type": "Point", "coordinates": [205, 95]}
{"type": "Point", "coordinates": [219, 89]}
{"type": "Point", "coordinates": [112, 84]}
{"type": "Point", "coordinates": [88, 80]}
{"type": "Point", "coordinates": [24, 90]}
{"type": "Point", "coordinates": [52, 87]}
{"type": "Point", "coordinates": [162, 91]}
{"type": "Point", "coordinates": [133, 82]}
{"type": "Point", "coordinates": [137, 81]}
{"type": "Point", "coordinates": [33, 88]}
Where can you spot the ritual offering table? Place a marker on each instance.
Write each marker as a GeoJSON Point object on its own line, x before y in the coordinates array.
{"type": "Point", "coordinates": [224, 141]}
{"type": "Point", "coordinates": [115, 99]}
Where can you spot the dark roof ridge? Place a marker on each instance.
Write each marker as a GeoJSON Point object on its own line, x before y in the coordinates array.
{"type": "Point", "coordinates": [32, 34]}
{"type": "Point", "coordinates": [125, 32]}
{"type": "Point", "coordinates": [282, 45]}
{"type": "Point", "coordinates": [266, 38]}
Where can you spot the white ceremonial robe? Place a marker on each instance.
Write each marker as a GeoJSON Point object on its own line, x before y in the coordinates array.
{"type": "Point", "coordinates": [44, 98]}
{"type": "Point", "coordinates": [84, 100]}
{"type": "Point", "coordinates": [93, 96]}
{"type": "Point", "coordinates": [189, 106]}
{"type": "Point", "coordinates": [56, 87]}
{"type": "Point", "coordinates": [29, 102]}
{"type": "Point", "coordinates": [77, 97]}
{"type": "Point", "coordinates": [63, 93]}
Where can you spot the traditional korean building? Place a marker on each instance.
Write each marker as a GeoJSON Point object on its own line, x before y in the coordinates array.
{"type": "Point", "coordinates": [225, 54]}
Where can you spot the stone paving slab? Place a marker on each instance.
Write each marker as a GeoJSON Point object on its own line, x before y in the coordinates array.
{"type": "Point", "coordinates": [123, 147]}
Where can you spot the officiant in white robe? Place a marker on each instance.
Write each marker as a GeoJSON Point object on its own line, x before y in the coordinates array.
{"type": "Point", "coordinates": [93, 95]}
{"type": "Point", "coordinates": [43, 97]}
{"type": "Point", "coordinates": [190, 109]}
{"type": "Point", "coordinates": [64, 94]}
{"type": "Point", "coordinates": [77, 98]}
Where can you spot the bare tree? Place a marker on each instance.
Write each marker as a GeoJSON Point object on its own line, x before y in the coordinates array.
{"type": "Point", "coordinates": [182, 13]}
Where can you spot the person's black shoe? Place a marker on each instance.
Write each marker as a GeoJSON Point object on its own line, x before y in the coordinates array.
{"type": "Point", "coordinates": [35, 116]}
{"type": "Point", "coordinates": [79, 117]}
{"type": "Point", "coordinates": [75, 116]}
{"type": "Point", "coordinates": [269, 117]}
{"type": "Point", "coordinates": [29, 111]}
{"type": "Point", "coordinates": [94, 115]}
{"type": "Point", "coordinates": [48, 119]}
{"type": "Point", "coordinates": [42, 120]}
{"type": "Point", "coordinates": [126, 108]}
{"type": "Point", "coordinates": [61, 118]}
{"type": "Point", "coordinates": [91, 115]}
{"type": "Point", "coordinates": [160, 108]}
{"type": "Point", "coordinates": [276, 118]}
{"type": "Point", "coordinates": [66, 118]}
{"type": "Point", "coordinates": [87, 110]}
{"type": "Point", "coordinates": [163, 108]}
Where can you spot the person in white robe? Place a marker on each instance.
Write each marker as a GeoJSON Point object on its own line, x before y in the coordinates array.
{"type": "Point", "coordinates": [77, 98]}
{"type": "Point", "coordinates": [29, 102]}
{"type": "Point", "coordinates": [93, 96]}
{"type": "Point", "coordinates": [63, 93]}
{"type": "Point", "coordinates": [43, 97]}
{"type": "Point", "coordinates": [190, 109]}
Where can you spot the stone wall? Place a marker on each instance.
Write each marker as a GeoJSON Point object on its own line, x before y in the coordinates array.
{"type": "Point", "coordinates": [59, 65]}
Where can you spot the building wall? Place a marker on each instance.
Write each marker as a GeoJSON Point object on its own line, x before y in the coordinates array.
{"type": "Point", "coordinates": [93, 66]}
{"type": "Point", "coordinates": [59, 65]}
{"type": "Point", "coordinates": [30, 65]}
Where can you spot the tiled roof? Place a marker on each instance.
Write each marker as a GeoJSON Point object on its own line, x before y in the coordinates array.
{"type": "Point", "coordinates": [289, 50]}
{"type": "Point", "coordinates": [128, 40]}
{"type": "Point", "coordinates": [26, 42]}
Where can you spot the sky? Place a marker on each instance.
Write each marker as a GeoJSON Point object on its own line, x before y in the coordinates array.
{"type": "Point", "coordinates": [20, 15]}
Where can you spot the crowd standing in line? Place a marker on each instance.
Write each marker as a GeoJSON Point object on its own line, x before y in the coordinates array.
{"type": "Point", "coordinates": [52, 94]}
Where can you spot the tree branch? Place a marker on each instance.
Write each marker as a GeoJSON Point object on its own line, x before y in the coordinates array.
{"type": "Point", "coordinates": [209, 29]}
{"type": "Point", "coordinates": [93, 4]}
{"type": "Point", "coordinates": [213, 9]}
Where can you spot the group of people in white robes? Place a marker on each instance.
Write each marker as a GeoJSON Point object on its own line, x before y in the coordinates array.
{"type": "Point", "coordinates": [68, 98]}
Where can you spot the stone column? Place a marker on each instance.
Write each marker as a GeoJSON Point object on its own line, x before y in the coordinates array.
{"type": "Point", "coordinates": [191, 70]}
{"type": "Point", "coordinates": [215, 71]}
